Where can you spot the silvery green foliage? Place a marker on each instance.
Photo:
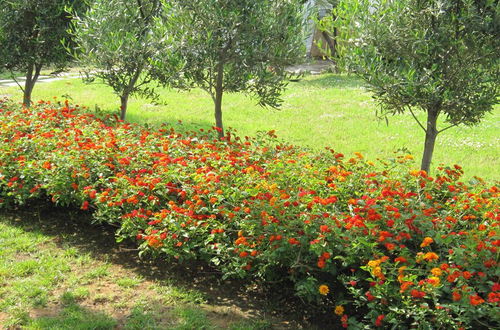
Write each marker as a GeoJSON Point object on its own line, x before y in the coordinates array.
{"type": "Point", "coordinates": [440, 57]}
{"type": "Point", "coordinates": [30, 36]}
{"type": "Point", "coordinates": [239, 45]}
{"type": "Point", "coordinates": [117, 44]}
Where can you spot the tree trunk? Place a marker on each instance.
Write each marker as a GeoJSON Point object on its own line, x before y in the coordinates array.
{"type": "Point", "coordinates": [430, 139]}
{"type": "Point", "coordinates": [219, 90]}
{"type": "Point", "coordinates": [123, 106]}
{"type": "Point", "coordinates": [331, 44]}
{"type": "Point", "coordinates": [127, 91]}
{"type": "Point", "coordinates": [32, 75]}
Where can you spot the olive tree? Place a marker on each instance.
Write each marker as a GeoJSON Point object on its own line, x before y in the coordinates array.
{"type": "Point", "coordinates": [439, 57]}
{"type": "Point", "coordinates": [239, 46]}
{"type": "Point", "coordinates": [30, 38]}
{"type": "Point", "coordinates": [117, 44]}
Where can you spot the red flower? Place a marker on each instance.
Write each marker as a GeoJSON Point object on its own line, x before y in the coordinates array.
{"type": "Point", "coordinates": [401, 260]}
{"type": "Point", "coordinates": [456, 296]}
{"type": "Point", "coordinates": [344, 321]}
{"type": "Point", "coordinates": [494, 297]}
{"type": "Point", "coordinates": [417, 294]}
{"type": "Point", "coordinates": [324, 229]}
{"type": "Point", "coordinates": [85, 205]}
{"type": "Point", "coordinates": [378, 321]}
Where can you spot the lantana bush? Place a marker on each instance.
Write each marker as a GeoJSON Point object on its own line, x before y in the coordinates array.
{"type": "Point", "coordinates": [371, 243]}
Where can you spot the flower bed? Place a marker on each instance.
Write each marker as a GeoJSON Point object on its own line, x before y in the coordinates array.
{"type": "Point", "coordinates": [380, 244]}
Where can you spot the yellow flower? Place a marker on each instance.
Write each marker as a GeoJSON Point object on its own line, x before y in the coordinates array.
{"type": "Point", "coordinates": [374, 263]}
{"type": "Point", "coordinates": [323, 289]}
{"type": "Point", "coordinates": [339, 310]}
{"type": "Point", "coordinates": [435, 281]}
{"type": "Point", "coordinates": [436, 271]}
{"type": "Point", "coordinates": [377, 271]}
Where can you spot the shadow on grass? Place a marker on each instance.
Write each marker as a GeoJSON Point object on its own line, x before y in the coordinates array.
{"type": "Point", "coordinates": [152, 116]}
{"type": "Point", "coordinates": [331, 81]}
{"type": "Point", "coordinates": [73, 229]}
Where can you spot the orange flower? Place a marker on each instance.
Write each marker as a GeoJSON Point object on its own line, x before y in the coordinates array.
{"type": "Point", "coordinates": [475, 300]}
{"type": "Point", "coordinates": [324, 289]}
{"type": "Point", "coordinates": [405, 286]}
{"type": "Point", "coordinates": [359, 155]}
{"type": "Point", "coordinates": [429, 256]}
{"type": "Point", "coordinates": [339, 310]}
{"type": "Point", "coordinates": [374, 263]}
{"type": "Point", "coordinates": [426, 242]}
{"type": "Point", "coordinates": [456, 296]}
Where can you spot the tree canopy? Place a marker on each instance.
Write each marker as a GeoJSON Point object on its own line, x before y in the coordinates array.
{"type": "Point", "coordinates": [30, 37]}
{"type": "Point", "coordinates": [440, 57]}
{"type": "Point", "coordinates": [117, 44]}
{"type": "Point", "coordinates": [239, 45]}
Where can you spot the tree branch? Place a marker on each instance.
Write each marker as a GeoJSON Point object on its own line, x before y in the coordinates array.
{"type": "Point", "coordinates": [444, 129]}
{"type": "Point", "coordinates": [418, 121]}
{"type": "Point", "coordinates": [13, 76]}
{"type": "Point", "coordinates": [141, 9]}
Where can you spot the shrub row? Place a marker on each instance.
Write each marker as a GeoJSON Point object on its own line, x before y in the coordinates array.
{"type": "Point", "coordinates": [375, 244]}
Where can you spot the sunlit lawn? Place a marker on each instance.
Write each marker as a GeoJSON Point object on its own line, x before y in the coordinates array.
{"type": "Point", "coordinates": [318, 111]}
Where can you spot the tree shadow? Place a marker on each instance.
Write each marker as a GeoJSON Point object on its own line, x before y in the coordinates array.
{"type": "Point", "coordinates": [70, 228]}
{"type": "Point", "coordinates": [155, 120]}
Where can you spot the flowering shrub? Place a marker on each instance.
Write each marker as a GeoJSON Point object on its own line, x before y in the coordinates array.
{"type": "Point", "coordinates": [380, 245]}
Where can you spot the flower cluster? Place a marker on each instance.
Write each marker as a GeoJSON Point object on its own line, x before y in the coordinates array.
{"type": "Point", "coordinates": [376, 244]}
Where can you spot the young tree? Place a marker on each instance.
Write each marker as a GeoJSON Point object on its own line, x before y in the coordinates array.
{"type": "Point", "coordinates": [117, 44]}
{"type": "Point", "coordinates": [239, 45]}
{"type": "Point", "coordinates": [30, 38]}
{"type": "Point", "coordinates": [440, 57]}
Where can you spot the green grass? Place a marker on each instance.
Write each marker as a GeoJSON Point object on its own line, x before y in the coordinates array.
{"type": "Point", "coordinates": [61, 274]}
{"type": "Point", "coordinates": [327, 110]}
{"type": "Point", "coordinates": [73, 317]}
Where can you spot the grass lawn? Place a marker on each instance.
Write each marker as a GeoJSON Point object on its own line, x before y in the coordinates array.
{"type": "Point", "coordinates": [318, 111]}
{"type": "Point", "coordinates": [57, 272]}
{"type": "Point", "coordinates": [327, 110]}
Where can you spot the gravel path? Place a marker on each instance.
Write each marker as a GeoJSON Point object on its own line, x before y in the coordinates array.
{"type": "Point", "coordinates": [41, 79]}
